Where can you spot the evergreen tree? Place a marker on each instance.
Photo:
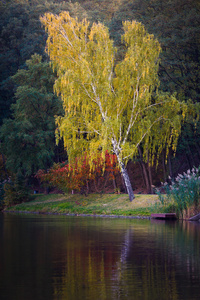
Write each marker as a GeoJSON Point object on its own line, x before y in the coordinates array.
{"type": "Point", "coordinates": [21, 35]}
{"type": "Point", "coordinates": [27, 140]}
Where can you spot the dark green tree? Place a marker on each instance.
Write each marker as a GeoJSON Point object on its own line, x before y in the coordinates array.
{"type": "Point", "coordinates": [21, 35]}
{"type": "Point", "coordinates": [27, 139]}
{"type": "Point", "coordinates": [176, 24]}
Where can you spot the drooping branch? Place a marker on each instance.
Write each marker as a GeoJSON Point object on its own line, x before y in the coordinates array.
{"type": "Point", "coordinates": [111, 98]}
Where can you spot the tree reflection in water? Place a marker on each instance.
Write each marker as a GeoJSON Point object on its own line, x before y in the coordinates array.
{"type": "Point", "coordinates": [49, 257]}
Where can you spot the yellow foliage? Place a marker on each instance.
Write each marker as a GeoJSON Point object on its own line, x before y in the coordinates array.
{"type": "Point", "coordinates": [108, 104]}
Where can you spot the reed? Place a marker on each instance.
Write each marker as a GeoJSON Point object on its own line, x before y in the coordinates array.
{"type": "Point", "coordinates": [181, 193]}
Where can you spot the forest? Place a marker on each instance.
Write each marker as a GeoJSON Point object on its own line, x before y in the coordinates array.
{"type": "Point", "coordinates": [28, 104]}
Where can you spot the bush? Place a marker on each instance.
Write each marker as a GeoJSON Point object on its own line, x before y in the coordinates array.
{"type": "Point", "coordinates": [15, 192]}
{"type": "Point", "coordinates": [181, 193]}
{"type": "Point", "coordinates": [78, 175]}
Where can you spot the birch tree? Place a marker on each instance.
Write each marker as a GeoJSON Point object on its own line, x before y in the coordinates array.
{"type": "Point", "coordinates": [108, 103]}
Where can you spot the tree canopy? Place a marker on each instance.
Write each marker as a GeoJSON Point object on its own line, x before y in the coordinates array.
{"type": "Point", "coordinates": [28, 139]}
{"type": "Point", "coordinates": [108, 104]}
{"type": "Point", "coordinates": [177, 28]}
{"type": "Point", "coordinates": [21, 35]}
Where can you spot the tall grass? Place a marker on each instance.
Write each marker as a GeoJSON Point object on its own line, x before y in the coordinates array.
{"type": "Point", "coordinates": [182, 192]}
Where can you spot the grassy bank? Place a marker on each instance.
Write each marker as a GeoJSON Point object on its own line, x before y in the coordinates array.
{"type": "Point", "coordinates": [93, 204]}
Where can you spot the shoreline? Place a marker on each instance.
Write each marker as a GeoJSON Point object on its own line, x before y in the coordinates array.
{"type": "Point", "coordinates": [94, 205]}
{"type": "Point", "coordinates": [76, 214]}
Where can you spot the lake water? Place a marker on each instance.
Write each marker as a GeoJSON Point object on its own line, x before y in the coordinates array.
{"type": "Point", "coordinates": [61, 257]}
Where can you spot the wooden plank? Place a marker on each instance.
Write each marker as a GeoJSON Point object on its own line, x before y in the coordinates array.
{"type": "Point", "coordinates": [164, 216]}
{"type": "Point", "coordinates": [195, 218]}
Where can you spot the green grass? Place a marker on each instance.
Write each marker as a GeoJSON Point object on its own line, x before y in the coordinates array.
{"type": "Point", "coordinates": [106, 204]}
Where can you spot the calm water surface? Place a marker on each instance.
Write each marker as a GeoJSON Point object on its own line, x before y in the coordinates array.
{"type": "Point", "coordinates": [60, 257]}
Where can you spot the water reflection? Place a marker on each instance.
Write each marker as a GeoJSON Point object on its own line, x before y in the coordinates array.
{"type": "Point", "coordinates": [58, 257]}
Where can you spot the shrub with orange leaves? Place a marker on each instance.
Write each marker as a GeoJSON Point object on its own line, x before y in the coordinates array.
{"type": "Point", "coordinates": [79, 175]}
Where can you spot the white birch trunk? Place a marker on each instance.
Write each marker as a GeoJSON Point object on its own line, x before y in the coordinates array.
{"type": "Point", "coordinates": [127, 182]}
{"type": "Point", "coordinates": [123, 170]}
